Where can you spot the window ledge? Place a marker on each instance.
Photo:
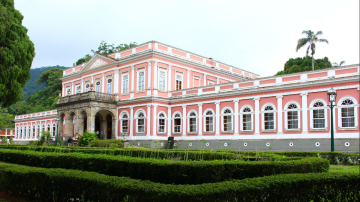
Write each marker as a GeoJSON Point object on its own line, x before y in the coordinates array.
{"type": "Point", "coordinates": [207, 133]}
{"type": "Point", "coordinates": [268, 131]}
{"type": "Point", "coordinates": [140, 91]}
{"type": "Point", "coordinates": [124, 94]}
{"type": "Point", "coordinates": [140, 134]}
{"type": "Point", "coordinates": [352, 128]}
{"type": "Point", "coordinates": [318, 129]}
{"type": "Point", "coordinates": [192, 133]}
{"type": "Point", "coordinates": [246, 131]}
{"type": "Point", "coordinates": [227, 131]}
{"type": "Point", "coordinates": [161, 133]}
{"type": "Point", "coordinates": [176, 133]}
{"type": "Point", "coordinates": [162, 91]}
{"type": "Point", "coordinates": [292, 130]}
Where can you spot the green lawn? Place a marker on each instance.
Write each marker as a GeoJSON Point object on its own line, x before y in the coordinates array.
{"type": "Point", "coordinates": [344, 169]}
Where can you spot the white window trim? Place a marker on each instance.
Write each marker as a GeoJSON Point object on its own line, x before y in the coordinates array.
{"type": "Point", "coordinates": [241, 117]}
{"type": "Point", "coordinates": [182, 80]}
{"type": "Point", "coordinates": [166, 73]}
{"type": "Point", "coordinates": [210, 83]}
{"type": "Point", "coordinates": [98, 86]}
{"type": "Point", "coordinates": [138, 79]}
{"type": "Point", "coordinates": [53, 132]}
{"type": "Point", "coordinates": [286, 110]}
{"type": "Point", "coordinates": [312, 108]}
{"type": "Point", "coordinates": [222, 120]}
{"type": "Point", "coordinates": [137, 120]}
{"type": "Point", "coordinates": [173, 122]}
{"type": "Point", "coordinates": [355, 106]}
{"type": "Point", "coordinates": [214, 120]}
{"type": "Point", "coordinates": [196, 121]}
{"type": "Point", "coordinates": [33, 131]}
{"type": "Point", "coordinates": [157, 122]}
{"type": "Point", "coordinates": [107, 84]}
{"type": "Point", "coordinates": [77, 89]}
{"type": "Point", "coordinates": [67, 91]}
{"type": "Point", "coordinates": [122, 119]}
{"type": "Point", "coordinates": [263, 116]}
{"type": "Point", "coordinates": [29, 135]}
{"type": "Point", "coordinates": [87, 89]}
{"type": "Point", "coordinates": [122, 83]}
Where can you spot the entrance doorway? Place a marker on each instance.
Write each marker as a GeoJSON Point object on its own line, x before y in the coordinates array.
{"type": "Point", "coordinates": [97, 126]}
{"type": "Point", "coordinates": [109, 127]}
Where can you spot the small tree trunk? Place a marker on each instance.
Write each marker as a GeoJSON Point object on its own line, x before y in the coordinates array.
{"type": "Point", "coordinates": [313, 62]}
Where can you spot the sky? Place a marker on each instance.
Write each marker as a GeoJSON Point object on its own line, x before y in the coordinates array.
{"type": "Point", "coordinates": [257, 36]}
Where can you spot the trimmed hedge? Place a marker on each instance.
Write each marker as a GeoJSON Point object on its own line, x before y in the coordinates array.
{"type": "Point", "coordinates": [194, 155]}
{"type": "Point", "coordinates": [107, 143]}
{"type": "Point", "coordinates": [63, 185]}
{"type": "Point", "coordinates": [164, 171]}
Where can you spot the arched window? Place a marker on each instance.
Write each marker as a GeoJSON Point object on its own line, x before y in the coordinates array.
{"type": "Point", "coordinates": [347, 114]}
{"type": "Point", "coordinates": [29, 131]}
{"type": "Point", "coordinates": [109, 86]}
{"type": "Point", "coordinates": [43, 128]}
{"type": "Point", "coordinates": [209, 121]}
{"type": "Point", "coordinates": [38, 130]}
{"type": "Point", "coordinates": [20, 133]}
{"type": "Point", "coordinates": [246, 119]}
{"type": "Point", "coordinates": [177, 123]}
{"type": "Point", "coordinates": [97, 87]}
{"type": "Point", "coordinates": [269, 118]}
{"type": "Point", "coordinates": [292, 117]}
{"type": "Point", "coordinates": [141, 122]}
{"type": "Point", "coordinates": [161, 120]}
{"type": "Point", "coordinates": [54, 130]}
{"type": "Point", "coordinates": [48, 128]}
{"type": "Point", "coordinates": [24, 132]}
{"type": "Point", "coordinates": [192, 122]}
{"type": "Point", "coordinates": [227, 120]}
{"type": "Point", "coordinates": [124, 123]}
{"type": "Point", "coordinates": [318, 115]}
{"type": "Point", "coordinates": [33, 132]}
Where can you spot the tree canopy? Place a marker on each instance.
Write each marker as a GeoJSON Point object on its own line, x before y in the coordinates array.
{"type": "Point", "coordinates": [105, 48]}
{"type": "Point", "coordinates": [16, 52]}
{"type": "Point", "coordinates": [294, 65]}
{"type": "Point", "coordinates": [6, 119]}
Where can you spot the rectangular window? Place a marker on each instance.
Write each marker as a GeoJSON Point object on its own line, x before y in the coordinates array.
{"type": "Point", "coordinates": [161, 125]}
{"type": "Point", "coordinates": [162, 80]}
{"type": "Point", "coordinates": [347, 117]}
{"type": "Point", "coordinates": [209, 124]}
{"type": "Point", "coordinates": [227, 123]}
{"type": "Point", "coordinates": [192, 125]}
{"type": "Point", "coordinates": [78, 89]}
{"type": "Point", "coordinates": [97, 86]}
{"type": "Point", "coordinates": [292, 120]}
{"type": "Point", "coordinates": [124, 126]}
{"type": "Point", "coordinates": [109, 86]}
{"type": "Point", "coordinates": [87, 87]}
{"type": "Point", "coordinates": [141, 80]}
{"type": "Point", "coordinates": [125, 83]}
{"type": "Point", "coordinates": [178, 81]}
{"type": "Point", "coordinates": [177, 125]}
{"type": "Point", "coordinates": [67, 91]}
{"type": "Point", "coordinates": [54, 130]}
{"type": "Point", "coordinates": [141, 125]}
{"type": "Point", "coordinates": [319, 118]}
{"type": "Point", "coordinates": [247, 122]}
{"type": "Point", "coordinates": [269, 121]}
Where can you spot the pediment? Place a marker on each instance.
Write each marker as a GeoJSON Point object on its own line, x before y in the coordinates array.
{"type": "Point", "coordinates": [96, 61]}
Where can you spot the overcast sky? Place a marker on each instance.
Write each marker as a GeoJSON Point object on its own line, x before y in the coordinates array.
{"type": "Point", "coordinates": [258, 36]}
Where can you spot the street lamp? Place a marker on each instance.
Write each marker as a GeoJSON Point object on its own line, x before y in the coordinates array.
{"type": "Point", "coordinates": [57, 130]}
{"type": "Point", "coordinates": [332, 98]}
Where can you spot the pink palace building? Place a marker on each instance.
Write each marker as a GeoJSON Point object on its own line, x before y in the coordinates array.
{"type": "Point", "coordinates": [153, 91]}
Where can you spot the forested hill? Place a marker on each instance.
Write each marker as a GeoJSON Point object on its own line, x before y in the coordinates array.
{"type": "Point", "coordinates": [31, 87]}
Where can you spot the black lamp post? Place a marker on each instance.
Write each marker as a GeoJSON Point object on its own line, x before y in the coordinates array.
{"type": "Point", "coordinates": [332, 98]}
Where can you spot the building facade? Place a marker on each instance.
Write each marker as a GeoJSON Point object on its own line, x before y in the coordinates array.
{"type": "Point", "coordinates": [154, 91]}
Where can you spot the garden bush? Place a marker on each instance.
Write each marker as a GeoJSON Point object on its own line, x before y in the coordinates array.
{"type": "Point", "coordinates": [113, 143]}
{"type": "Point", "coordinates": [64, 185]}
{"type": "Point", "coordinates": [87, 137]}
{"type": "Point", "coordinates": [164, 171]}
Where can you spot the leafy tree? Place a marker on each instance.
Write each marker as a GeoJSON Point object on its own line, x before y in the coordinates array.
{"type": "Point", "coordinates": [294, 65]}
{"type": "Point", "coordinates": [6, 119]}
{"type": "Point", "coordinates": [310, 39]}
{"type": "Point", "coordinates": [16, 52]}
{"type": "Point", "coordinates": [106, 49]}
{"type": "Point", "coordinates": [341, 63]}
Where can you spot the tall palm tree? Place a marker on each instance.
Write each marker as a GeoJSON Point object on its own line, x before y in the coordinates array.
{"type": "Point", "coordinates": [341, 63]}
{"type": "Point", "coordinates": [311, 39]}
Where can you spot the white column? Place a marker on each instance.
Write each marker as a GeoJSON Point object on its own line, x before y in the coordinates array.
{"type": "Point", "coordinates": [280, 115]}
{"type": "Point", "coordinates": [205, 79]}
{"type": "Point", "coordinates": [82, 85]}
{"type": "Point", "coordinates": [169, 80]}
{"type": "Point", "coordinates": [116, 81]}
{"type": "Point", "coordinates": [132, 81]}
{"type": "Point", "coordinates": [156, 87]}
{"type": "Point", "coordinates": [16, 131]}
{"type": "Point", "coordinates": [217, 80]}
{"type": "Point", "coordinates": [103, 83]}
{"type": "Point", "coordinates": [73, 88]}
{"type": "Point", "coordinates": [116, 127]}
{"type": "Point", "coordinates": [155, 121]}
{"type": "Point", "coordinates": [63, 90]}
{"type": "Point", "coordinates": [217, 122]}
{"type": "Point", "coordinates": [131, 123]}
{"type": "Point", "coordinates": [169, 121]}
{"type": "Point", "coordinates": [5, 132]}
{"type": "Point", "coordinates": [188, 79]}
{"type": "Point", "coordinates": [236, 114]}
{"type": "Point", "coordinates": [304, 112]}
{"type": "Point", "coordinates": [148, 121]}
{"type": "Point", "coordinates": [149, 79]}
{"type": "Point", "coordinates": [200, 120]}
{"type": "Point", "coordinates": [184, 121]}
{"type": "Point", "coordinates": [257, 117]}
